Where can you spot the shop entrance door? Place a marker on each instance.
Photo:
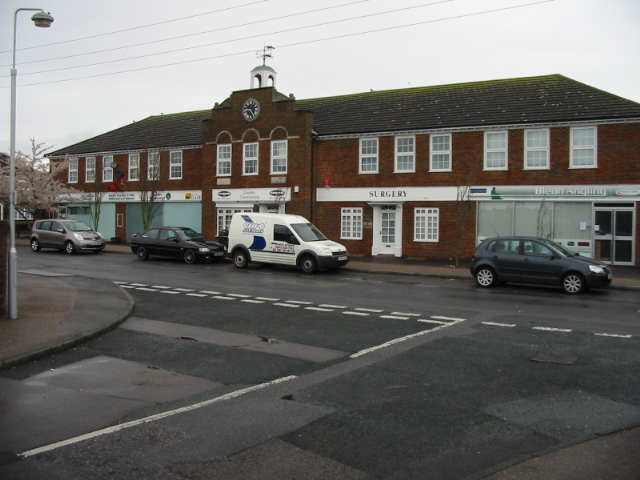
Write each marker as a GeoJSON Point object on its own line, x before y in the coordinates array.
{"type": "Point", "coordinates": [614, 236]}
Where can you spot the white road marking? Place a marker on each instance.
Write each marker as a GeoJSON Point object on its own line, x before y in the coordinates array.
{"type": "Point", "coordinates": [297, 302]}
{"type": "Point", "coordinates": [361, 314]}
{"type": "Point", "coordinates": [406, 314]}
{"type": "Point", "coordinates": [368, 310]}
{"type": "Point", "coordinates": [319, 309]}
{"type": "Point", "coordinates": [170, 292]}
{"type": "Point", "coordinates": [394, 317]}
{"type": "Point", "coordinates": [496, 324]}
{"type": "Point", "coordinates": [612, 335]}
{"type": "Point", "coordinates": [551, 329]}
{"type": "Point", "coordinates": [290, 305]}
{"type": "Point", "coordinates": [209, 292]}
{"type": "Point", "coordinates": [201, 295]}
{"type": "Point", "coordinates": [453, 319]}
{"type": "Point", "coordinates": [221, 297]}
{"type": "Point", "coordinates": [250, 300]}
{"type": "Point", "coordinates": [238, 295]}
{"type": "Point", "coordinates": [333, 306]}
{"type": "Point", "coordinates": [399, 340]}
{"type": "Point", "coordinates": [267, 299]}
{"type": "Point", "coordinates": [147, 289]}
{"type": "Point", "coordinates": [184, 289]}
{"type": "Point", "coordinates": [428, 320]}
{"type": "Point", "coordinates": [152, 418]}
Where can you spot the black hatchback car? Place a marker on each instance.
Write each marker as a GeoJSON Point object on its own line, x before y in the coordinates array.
{"type": "Point", "coordinates": [177, 242]}
{"type": "Point", "coordinates": [536, 260]}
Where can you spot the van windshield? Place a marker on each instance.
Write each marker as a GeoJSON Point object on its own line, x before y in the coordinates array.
{"type": "Point", "coordinates": [308, 232]}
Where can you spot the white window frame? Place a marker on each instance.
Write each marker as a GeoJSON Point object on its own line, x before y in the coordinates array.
{"type": "Point", "coordinates": [369, 148]}
{"type": "Point", "coordinates": [225, 214]}
{"type": "Point", "coordinates": [90, 170]}
{"type": "Point", "coordinates": [134, 167]}
{"type": "Point", "coordinates": [153, 166]}
{"type": "Point", "coordinates": [490, 149]}
{"type": "Point", "coordinates": [73, 170]}
{"type": "Point", "coordinates": [536, 148]}
{"type": "Point", "coordinates": [250, 158]}
{"type": "Point", "coordinates": [279, 160]}
{"type": "Point", "coordinates": [435, 151]}
{"type": "Point", "coordinates": [582, 147]}
{"type": "Point", "coordinates": [426, 224]}
{"type": "Point", "coordinates": [404, 152]}
{"type": "Point", "coordinates": [107, 171]}
{"type": "Point", "coordinates": [175, 165]}
{"type": "Point", "coordinates": [224, 160]}
{"type": "Point", "coordinates": [351, 223]}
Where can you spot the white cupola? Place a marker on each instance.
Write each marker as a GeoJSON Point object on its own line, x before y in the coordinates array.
{"type": "Point", "coordinates": [263, 76]}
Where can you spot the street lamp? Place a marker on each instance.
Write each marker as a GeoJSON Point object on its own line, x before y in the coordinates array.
{"type": "Point", "coordinates": [43, 20]}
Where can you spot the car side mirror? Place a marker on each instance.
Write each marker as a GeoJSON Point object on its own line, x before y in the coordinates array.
{"type": "Point", "coordinates": [175, 240]}
{"type": "Point", "coordinates": [61, 230]}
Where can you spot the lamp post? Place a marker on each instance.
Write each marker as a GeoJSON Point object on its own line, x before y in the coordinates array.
{"type": "Point", "coordinates": [43, 20]}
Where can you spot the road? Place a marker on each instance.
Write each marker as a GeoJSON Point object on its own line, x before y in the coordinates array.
{"type": "Point", "coordinates": [269, 373]}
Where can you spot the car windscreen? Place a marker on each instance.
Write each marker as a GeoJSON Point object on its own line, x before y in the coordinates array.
{"type": "Point", "coordinates": [76, 226]}
{"type": "Point", "coordinates": [560, 248]}
{"type": "Point", "coordinates": [189, 234]}
{"type": "Point", "coordinates": [308, 232]}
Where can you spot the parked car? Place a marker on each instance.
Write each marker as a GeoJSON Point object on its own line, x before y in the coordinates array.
{"type": "Point", "coordinates": [536, 260]}
{"type": "Point", "coordinates": [70, 236]}
{"type": "Point", "coordinates": [177, 242]}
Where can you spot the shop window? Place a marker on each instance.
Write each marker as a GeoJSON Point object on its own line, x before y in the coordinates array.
{"type": "Point", "coordinates": [426, 225]}
{"type": "Point", "coordinates": [351, 224]}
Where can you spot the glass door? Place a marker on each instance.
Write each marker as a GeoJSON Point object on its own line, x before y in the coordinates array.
{"type": "Point", "coordinates": [614, 236]}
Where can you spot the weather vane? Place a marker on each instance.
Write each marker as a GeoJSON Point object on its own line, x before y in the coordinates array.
{"type": "Point", "coordinates": [265, 53]}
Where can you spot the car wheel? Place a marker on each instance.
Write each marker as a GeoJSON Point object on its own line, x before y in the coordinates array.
{"type": "Point", "coordinates": [69, 248]}
{"type": "Point", "coordinates": [35, 245]}
{"type": "Point", "coordinates": [573, 283]}
{"type": "Point", "coordinates": [189, 256]}
{"type": "Point", "coordinates": [142, 253]}
{"type": "Point", "coordinates": [241, 258]}
{"type": "Point", "coordinates": [486, 277]}
{"type": "Point", "coordinates": [308, 264]}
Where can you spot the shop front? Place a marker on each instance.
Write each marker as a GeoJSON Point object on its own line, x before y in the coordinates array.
{"type": "Point", "coordinates": [597, 221]}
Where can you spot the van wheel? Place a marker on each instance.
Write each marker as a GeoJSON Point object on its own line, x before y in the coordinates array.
{"type": "Point", "coordinates": [241, 258]}
{"type": "Point", "coordinates": [142, 253]}
{"type": "Point", "coordinates": [35, 245]}
{"type": "Point", "coordinates": [69, 248]}
{"type": "Point", "coordinates": [308, 264]}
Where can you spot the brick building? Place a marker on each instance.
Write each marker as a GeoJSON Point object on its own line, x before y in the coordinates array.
{"type": "Point", "coordinates": [420, 172]}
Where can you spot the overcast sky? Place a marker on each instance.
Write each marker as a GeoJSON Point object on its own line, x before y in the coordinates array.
{"type": "Point", "coordinates": [103, 65]}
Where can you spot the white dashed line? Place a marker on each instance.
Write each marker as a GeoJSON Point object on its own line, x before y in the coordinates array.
{"type": "Point", "coordinates": [184, 289]}
{"type": "Point", "coordinates": [238, 295]}
{"type": "Point", "coordinates": [428, 320]}
{"type": "Point", "coordinates": [406, 314]}
{"type": "Point", "coordinates": [340, 307]}
{"type": "Point", "coordinates": [496, 324]}
{"type": "Point", "coordinates": [368, 310]}
{"type": "Point", "coordinates": [394, 317]}
{"type": "Point", "coordinates": [147, 289]}
{"type": "Point", "coordinates": [612, 335]}
{"type": "Point", "coordinates": [200, 295]}
{"type": "Point", "coordinates": [209, 292]}
{"type": "Point", "coordinates": [250, 300]}
{"type": "Point", "coordinates": [170, 292]}
{"type": "Point", "coordinates": [361, 314]}
{"type": "Point", "coordinates": [319, 309]}
{"type": "Point", "coordinates": [297, 302]}
{"type": "Point", "coordinates": [551, 329]}
{"type": "Point", "coordinates": [267, 299]}
{"type": "Point", "coordinates": [451, 319]}
{"type": "Point", "coordinates": [290, 305]}
{"type": "Point", "coordinates": [221, 297]}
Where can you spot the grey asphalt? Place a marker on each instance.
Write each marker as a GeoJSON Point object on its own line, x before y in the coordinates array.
{"type": "Point", "coordinates": [58, 312]}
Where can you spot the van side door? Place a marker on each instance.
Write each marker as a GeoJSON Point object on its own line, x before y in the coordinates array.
{"type": "Point", "coordinates": [282, 249]}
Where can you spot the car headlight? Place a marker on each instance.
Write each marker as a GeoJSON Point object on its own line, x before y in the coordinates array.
{"type": "Point", "coordinates": [596, 269]}
{"type": "Point", "coordinates": [204, 249]}
{"type": "Point", "coordinates": [327, 251]}
{"type": "Point", "coordinates": [78, 236]}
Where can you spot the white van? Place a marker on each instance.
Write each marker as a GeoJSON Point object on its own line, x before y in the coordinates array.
{"type": "Point", "coordinates": [283, 240]}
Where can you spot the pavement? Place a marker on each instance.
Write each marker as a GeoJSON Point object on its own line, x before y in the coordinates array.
{"type": "Point", "coordinates": [58, 312]}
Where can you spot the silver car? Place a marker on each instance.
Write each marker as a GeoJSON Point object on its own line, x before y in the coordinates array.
{"type": "Point", "coordinates": [67, 235]}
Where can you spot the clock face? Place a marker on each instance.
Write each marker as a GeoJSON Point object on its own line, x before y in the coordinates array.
{"type": "Point", "coordinates": [251, 109]}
